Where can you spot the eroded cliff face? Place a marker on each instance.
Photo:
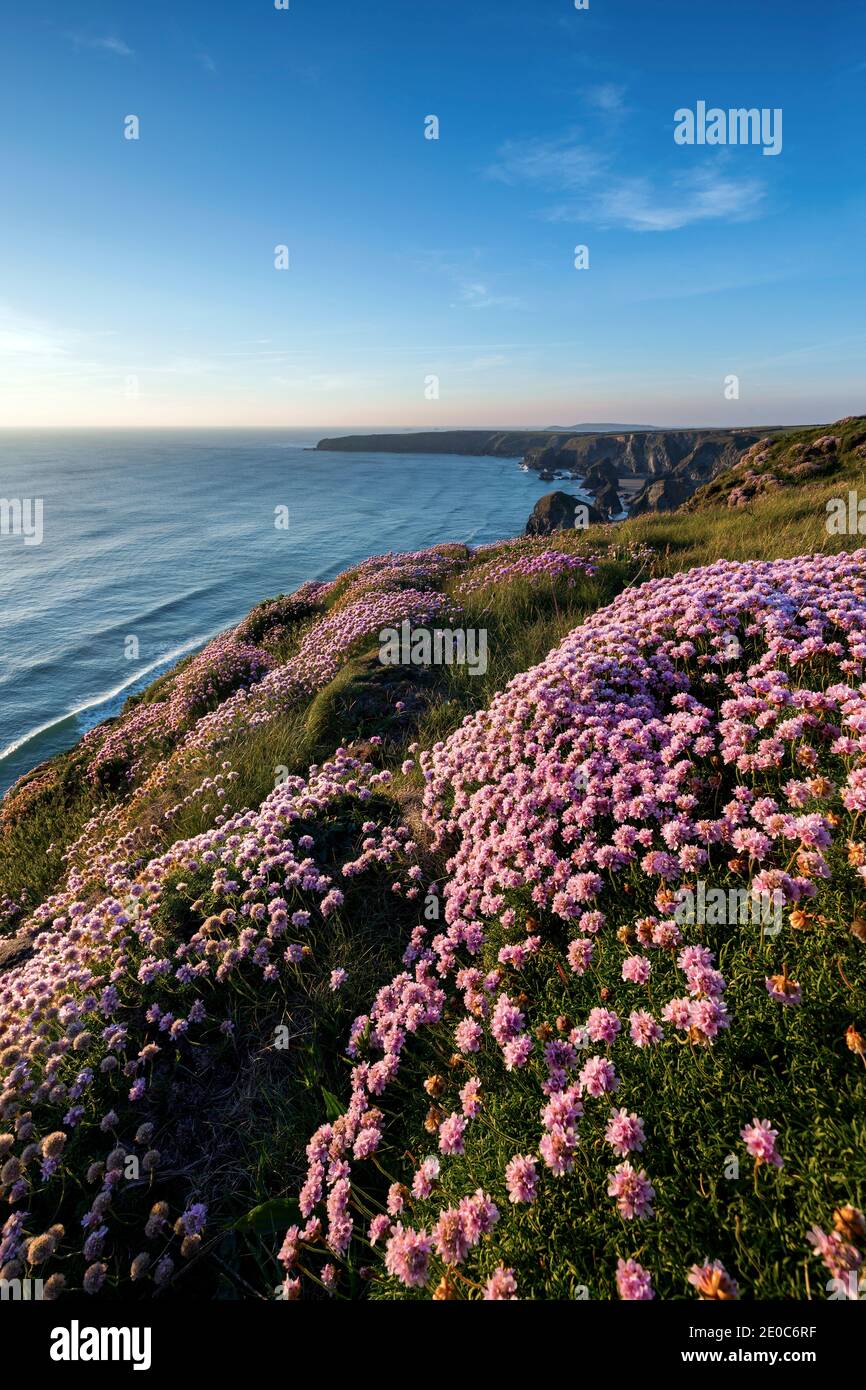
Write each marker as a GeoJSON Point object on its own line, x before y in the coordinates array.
{"type": "Point", "coordinates": [692, 455]}
{"type": "Point", "coordinates": [636, 451]}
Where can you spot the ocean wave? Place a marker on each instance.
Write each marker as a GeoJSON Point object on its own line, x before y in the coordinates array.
{"type": "Point", "coordinates": [97, 701]}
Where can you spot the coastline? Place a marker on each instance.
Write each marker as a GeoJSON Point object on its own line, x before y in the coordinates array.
{"type": "Point", "coordinates": [111, 569]}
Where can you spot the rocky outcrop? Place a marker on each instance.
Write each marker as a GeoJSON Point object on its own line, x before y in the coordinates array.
{"type": "Point", "coordinates": [662, 495]}
{"type": "Point", "coordinates": [607, 499]}
{"type": "Point", "coordinates": [753, 485]}
{"type": "Point", "coordinates": [556, 511]}
{"type": "Point", "coordinates": [15, 950]}
{"type": "Point", "coordinates": [547, 460]}
{"type": "Point", "coordinates": [601, 474]}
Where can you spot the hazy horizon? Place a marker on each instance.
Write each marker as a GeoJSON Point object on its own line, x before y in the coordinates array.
{"type": "Point", "coordinates": [377, 427]}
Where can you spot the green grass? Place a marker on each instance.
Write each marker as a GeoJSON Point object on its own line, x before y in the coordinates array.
{"type": "Point", "coordinates": [44, 815]}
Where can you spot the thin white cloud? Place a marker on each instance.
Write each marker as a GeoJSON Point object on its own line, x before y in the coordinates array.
{"type": "Point", "coordinates": [703, 196]}
{"type": "Point", "coordinates": [475, 295]}
{"type": "Point", "coordinates": [208, 64]}
{"type": "Point", "coordinates": [562, 163]}
{"type": "Point", "coordinates": [570, 165]}
{"type": "Point", "coordinates": [467, 272]}
{"type": "Point", "coordinates": [109, 44]}
{"type": "Point", "coordinates": [607, 97]}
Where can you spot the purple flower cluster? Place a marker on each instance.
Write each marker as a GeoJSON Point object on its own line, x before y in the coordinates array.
{"type": "Point", "coordinates": [321, 654]}
{"type": "Point", "coordinates": [222, 667]}
{"type": "Point", "coordinates": [113, 994]}
{"type": "Point", "coordinates": [547, 564]}
{"type": "Point", "coordinates": [233, 682]}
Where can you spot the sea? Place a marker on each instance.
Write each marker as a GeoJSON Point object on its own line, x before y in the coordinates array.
{"type": "Point", "coordinates": [122, 551]}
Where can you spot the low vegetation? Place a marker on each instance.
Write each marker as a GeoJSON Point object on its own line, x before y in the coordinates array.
{"type": "Point", "coordinates": [323, 977]}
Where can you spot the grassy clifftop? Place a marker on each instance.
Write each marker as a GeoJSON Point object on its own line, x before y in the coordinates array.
{"type": "Point", "coordinates": [801, 460]}
{"type": "Point", "coordinates": [391, 957]}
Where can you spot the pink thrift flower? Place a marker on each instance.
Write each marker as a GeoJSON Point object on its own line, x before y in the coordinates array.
{"type": "Point", "coordinates": [516, 1052]}
{"type": "Point", "coordinates": [396, 1199]}
{"type": "Point", "coordinates": [597, 1076]}
{"type": "Point", "coordinates": [451, 1134]}
{"type": "Point", "coordinates": [580, 953]}
{"type": "Point", "coordinates": [708, 1017]}
{"type": "Point", "coordinates": [289, 1252]}
{"type": "Point", "coordinates": [407, 1256]}
{"type": "Point", "coordinates": [760, 1140]}
{"type": "Point", "coordinates": [468, 1035]}
{"type": "Point", "coordinates": [479, 1214]}
{"type": "Point", "coordinates": [521, 1178]}
{"type": "Point", "coordinates": [367, 1142]}
{"type": "Point", "coordinates": [625, 1132]}
{"type": "Point", "coordinates": [507, 1021]}
{"type": "Point", "coordinates": [643, 1029]}
{"type": "Point", "coordinates": [591, 922]}
{"type": "Point", "coordinates": [633, 1282]}
{"type": "Point", "coordinates": [469, 1098]}
{"type": "Point", "coordinates": [636, 970]}
{"type": "Point", "coordinates": [451, 1238]}
{"type": "Point", "coordinates": [679, 1013]}
{"type": "Point", "coordinates": [557, 1149]}
{"type": "Point", "coordinates": [666, 936]}
{"type": "Point", "coordinates": [426, 1178]}
{"type": "Point", "coordinates": [380, 1227]}
{"type": "Point", "coordinates": [633, 1191]}
{"type": "Point", "coordinates": [603, 1025]}
{"type": "Point", "coordinates": [501, 1285]}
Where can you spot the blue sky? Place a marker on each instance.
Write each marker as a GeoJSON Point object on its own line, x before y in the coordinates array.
{"type": "Point", "coordinates": [137, 278]}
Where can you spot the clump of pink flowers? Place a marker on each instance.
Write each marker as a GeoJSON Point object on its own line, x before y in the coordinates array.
{"type": "Point", "coordinates": [633, 1282]}
{"type": "Point", "coordinates": [760, 1140]}
{"type": "Point", "coordinates": [633, 1191]}
{"type": "Point", "coordinates": [625, 1132]}
{"type": "Point", "coordinates": [521, 1178]}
